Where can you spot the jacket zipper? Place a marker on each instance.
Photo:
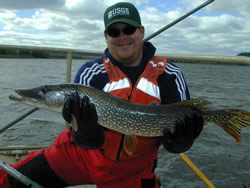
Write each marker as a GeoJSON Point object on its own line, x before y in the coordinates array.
{"type": "Point", "coordinates": [120, 148]}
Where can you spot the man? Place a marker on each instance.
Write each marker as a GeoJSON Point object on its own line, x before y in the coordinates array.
{"type": "Point", "coordinates": [90, 154]}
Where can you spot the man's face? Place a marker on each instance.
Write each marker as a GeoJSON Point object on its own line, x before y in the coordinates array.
{"type": "Point", "coordinates": [125, 48]}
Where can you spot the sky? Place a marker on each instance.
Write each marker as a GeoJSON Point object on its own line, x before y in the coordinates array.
{"type": "Point", "coordinates": [221, 28]}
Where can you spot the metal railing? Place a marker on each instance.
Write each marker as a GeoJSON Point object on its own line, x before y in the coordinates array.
{"type": "Point", "coordinates": [211, 59]}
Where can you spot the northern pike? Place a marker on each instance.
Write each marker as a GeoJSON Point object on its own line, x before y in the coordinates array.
{"type": "Point", "coordinates": [130, 118]}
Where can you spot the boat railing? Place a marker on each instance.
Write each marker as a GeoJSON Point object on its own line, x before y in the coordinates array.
{"type": "Point", "coordinates": [210, 59]}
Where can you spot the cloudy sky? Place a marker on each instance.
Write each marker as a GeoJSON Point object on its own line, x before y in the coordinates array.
{"type": "Point", "coordinates": [221, 28]}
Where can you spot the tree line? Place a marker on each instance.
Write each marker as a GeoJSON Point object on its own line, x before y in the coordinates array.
{"type": "Point", "coordinates": [9, 53]}
{"type": "Point", "coordinates": [24, 53]}
{"type": "Point", "coordinates": [244, 54]}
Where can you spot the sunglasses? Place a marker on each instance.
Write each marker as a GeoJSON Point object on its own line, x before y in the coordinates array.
{"type": "Point", "coordinates": [115, 32]}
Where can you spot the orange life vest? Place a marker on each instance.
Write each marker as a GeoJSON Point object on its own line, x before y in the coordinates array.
{"type": "Point", "coordinates": [145, 91]}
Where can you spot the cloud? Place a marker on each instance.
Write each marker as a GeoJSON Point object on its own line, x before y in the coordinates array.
{"type": "Point", "coordinates": [74, 25]}
{"type": "Point", "coordinates": [241, 7]}
{"type": "Point", "coordinates": [30, 4]}
{"type": "Point", "coordinates": [223, 33]}
{"type": "Point", "coordinates": [220, 28]}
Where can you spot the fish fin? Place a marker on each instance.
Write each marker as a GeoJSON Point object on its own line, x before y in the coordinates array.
{"type": "Point", "coordinates": [232, 121]}
{"type": "Point", "coordinates": [129, 144]}
{"type": "Point", "coordinates": [200, 104]}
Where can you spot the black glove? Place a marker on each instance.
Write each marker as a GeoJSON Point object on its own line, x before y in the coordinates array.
{"type": "Point", "coordinates": [185, 133]}
{"type": "Point", "coordinates": [86, 132]}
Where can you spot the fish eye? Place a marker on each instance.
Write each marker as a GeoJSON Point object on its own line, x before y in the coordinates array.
{"type": "Point", "coordinates": [45, 89]}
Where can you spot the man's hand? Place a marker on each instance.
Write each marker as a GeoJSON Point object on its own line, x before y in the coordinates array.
{"type": "Point", "coordinates": [86, 132]}
{"type": "Point", "coordinates": [185, 133]}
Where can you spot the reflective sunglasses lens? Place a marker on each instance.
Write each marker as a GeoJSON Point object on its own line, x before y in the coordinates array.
{"type": "Point", "coordinates": [129, 30]}
{"type": "Point", "coordinates": [113, 32]}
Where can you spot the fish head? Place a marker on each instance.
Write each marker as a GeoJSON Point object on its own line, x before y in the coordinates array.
{"type": "Point", "coordinates": [50, 97]}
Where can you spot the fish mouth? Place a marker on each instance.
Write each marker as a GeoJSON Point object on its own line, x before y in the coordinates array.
{"type": "Point", "coordinates": [31, 93]}
{"type": "Point", "coordinates": [15, 98]}
{"type": "Point", "coordinates": [27, 95]}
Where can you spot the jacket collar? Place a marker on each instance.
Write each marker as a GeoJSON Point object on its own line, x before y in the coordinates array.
{"type": "Point", "coordinates": [148, 53]}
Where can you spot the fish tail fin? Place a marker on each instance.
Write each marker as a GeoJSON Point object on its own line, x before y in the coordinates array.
{"type": "Point", "coordinates": [200, 104]}
{"type": "Point", "coordinates": [230, 120]}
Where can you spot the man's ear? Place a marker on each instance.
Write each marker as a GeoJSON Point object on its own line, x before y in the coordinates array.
{"type": "Point", "coordinates": [105, 35]}
{"type": "Point", "coordinates": [142, 29]}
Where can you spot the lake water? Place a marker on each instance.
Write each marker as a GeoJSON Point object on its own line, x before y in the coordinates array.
{"type": "Point", "coordinates": [217, 155]}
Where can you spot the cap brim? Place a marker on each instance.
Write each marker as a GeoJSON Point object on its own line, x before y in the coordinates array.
{"type": "Point", "coordinates": [124, 20]}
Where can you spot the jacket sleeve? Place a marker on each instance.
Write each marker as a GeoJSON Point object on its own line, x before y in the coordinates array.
{"type": "Point", "coordinates": [92, 73]}
{"type": "Point", "coordinates": [173, 86]}
{"type": "Point", "coordinates": [4, 179]}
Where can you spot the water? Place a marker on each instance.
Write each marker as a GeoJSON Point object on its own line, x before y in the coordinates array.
{"type": "Point", "coordinates": [217, 155]}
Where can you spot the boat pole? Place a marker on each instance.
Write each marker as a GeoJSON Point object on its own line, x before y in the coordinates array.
{"type": "Point", "coordinates": [19, 176]}
{"type": "Point", "coordinates": [18, 119]}
{"type": "Point", "coordinates": [196, 170]}
{"type": "Point", "coordinates": [182, 155]}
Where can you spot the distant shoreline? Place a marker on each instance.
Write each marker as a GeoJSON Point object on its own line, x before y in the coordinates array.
{"type": "Point", "coordinates": [50, 57]}
{"type": "Point", "coordinates": [175, 58]}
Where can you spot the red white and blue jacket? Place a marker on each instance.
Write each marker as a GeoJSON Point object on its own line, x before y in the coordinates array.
{"type": "Point", "coordinates": [173, 87]}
